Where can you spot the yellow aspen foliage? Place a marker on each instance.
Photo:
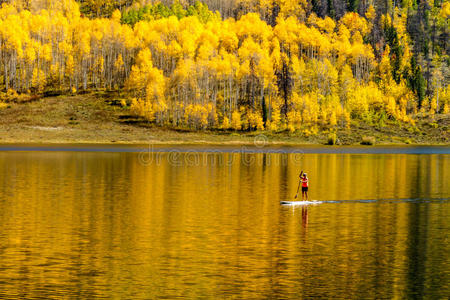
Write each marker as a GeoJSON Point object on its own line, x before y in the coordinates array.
{"type": "Point", "coordinates": [213, 118]}
{"type": "Point", "coordinates": [310, 108]}
{"type": "Point", "coordinates": [290, 128]}
{"type": "Point", "coordinates": [355, 23]}
{"type": "Point", "coordinates": [275, 119]}
{"type": "Point", "coordinates": [148, 84]}
{"type": "Point", "coordinates": [255, 120]}
{"type": "Point", "coordinates": [357, 103]}
{"type": "Point", "coordinates": [306, 132]}
{"type": "Point", "coordinates": [326, 25]}
{"type": "Point", "coordinates": [324, 117]}
{"type": "Point", "coordinates": [70, 65]}
{"type": "Point", "coordinates": [236, 120]}
{"type": "Point", "coordinates": [46, 52]}
{"type": "Point", "coordinates": [225, 123]}
{"type": "Point", "coordinates": [294, 120]}
{"type": "Point", "coordinates": [142, 108]}
{"type": "Point", "coordinates": [425, 106]}
{"type": "Point", "coordinates": [118, 64]}
{"type": "Point", "coordinates": [100, 64]}
{"type": "Point", "coordinates": [370, 13]}
{"type": "Point", "coordinates": [433, 107]}
{"type": "Point", "coordinates": [445, 11]}
{"type": "Point", "coordinates": [446, 108]}
{"type": "Point", "coordinates": [346, 119]}
{"type": "Point", "coordinates": [196, 116]}
{"type": "Point", "coordinates": [391, 107]}
{"type": "Point", "coordinates": [116, 16]}
{"type": "Point", "coordinates": [30, 54]}
{"type": "Point", "coordinates": [333, 119]}
{"type": "Point", "coordinates": [39, 79]}
{"type": "Point", "coordinates": [384, 70]}
{"type": "Point", "coordinates": [11, 94]}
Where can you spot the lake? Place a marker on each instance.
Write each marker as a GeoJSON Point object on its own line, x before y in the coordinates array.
{"type": "Point", "coordinates": [198, 222]}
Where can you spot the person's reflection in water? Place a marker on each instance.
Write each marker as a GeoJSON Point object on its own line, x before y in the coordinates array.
{"type": "Point", "coordinates": [305, 216]}
{"type": "Point", "coordinates": [304, 223]}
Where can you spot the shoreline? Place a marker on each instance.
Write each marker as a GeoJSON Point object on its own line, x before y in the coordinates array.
{"type": "Point", "coordinates": [92, 119]}
{"type": "Point", "coordinates": [86, 137]}
{"type": "Point", "coordinates": [202, 143]}
{"type": "Point", "coordinates": [222, 148]}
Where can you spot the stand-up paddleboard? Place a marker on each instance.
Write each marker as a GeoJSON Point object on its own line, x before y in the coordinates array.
{"type": "Point", "coordinates": [300, 202]}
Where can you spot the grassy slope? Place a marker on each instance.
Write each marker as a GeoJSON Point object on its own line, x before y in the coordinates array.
{"type": "Point", "coordinates": [93, 118]}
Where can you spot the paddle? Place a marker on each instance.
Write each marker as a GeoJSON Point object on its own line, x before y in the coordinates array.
{"type": "Point", "coordinates": [300, 181]}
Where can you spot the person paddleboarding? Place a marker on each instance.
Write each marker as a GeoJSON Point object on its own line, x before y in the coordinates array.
{"type": "Point", "coordinates": [304, 182]}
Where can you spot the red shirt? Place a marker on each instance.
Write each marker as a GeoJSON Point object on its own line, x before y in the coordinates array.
{"type": "Point", "coordinates": [304, 182]}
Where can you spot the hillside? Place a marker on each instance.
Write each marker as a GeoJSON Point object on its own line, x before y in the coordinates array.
{"type": "Point", "coordinates": [99, 118]}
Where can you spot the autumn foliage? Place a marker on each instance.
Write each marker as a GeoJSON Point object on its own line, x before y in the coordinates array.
{"type": "Point", "coordinates": [290, 71]}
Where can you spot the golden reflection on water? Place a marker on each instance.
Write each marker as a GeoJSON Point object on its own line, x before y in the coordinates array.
{"type": "Point", "coordinates": [76, 224]}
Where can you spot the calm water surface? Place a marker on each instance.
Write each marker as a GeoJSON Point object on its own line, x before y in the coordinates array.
{"type": "Point", "coordinates": [209, 225]}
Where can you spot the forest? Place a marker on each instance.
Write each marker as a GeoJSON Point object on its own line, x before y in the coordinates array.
{"type": "Point", "coordinates": [277, 65]}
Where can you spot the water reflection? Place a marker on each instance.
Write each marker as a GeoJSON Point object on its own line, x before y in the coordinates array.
{"type": "Point", "coordinates": [87, 225]}
{"type": "Point", "coordinates": [305, 216]}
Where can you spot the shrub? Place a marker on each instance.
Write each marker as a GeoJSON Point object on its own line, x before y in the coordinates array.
{"type": "Point", "coordinates": [433, 125]}
{"type": "Point", "coordinates": [332, 139]}
{"type": "Point", "coordinates": [225, 123]}
{"type": "Point", "coordinates": [306, 132]}
{"type": "Point", "coordinates": [368, 140]}
{"type": "Point", "coordinates": [236, 120]}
